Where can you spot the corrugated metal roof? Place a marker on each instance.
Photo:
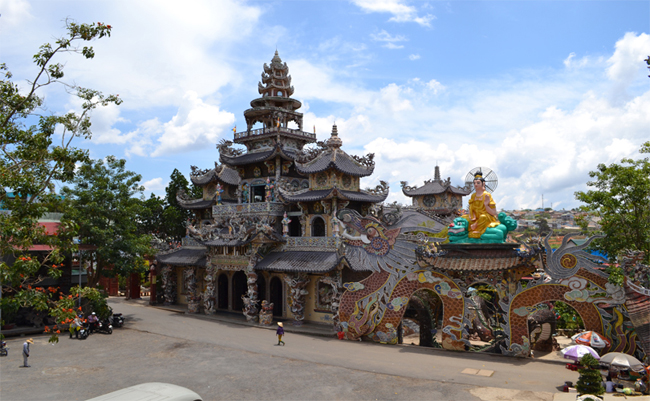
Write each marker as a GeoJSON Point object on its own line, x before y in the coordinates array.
{"type": "Point", "coordinates": [299, 261]}
{"type": "Point", "coordinates": [184, 257]}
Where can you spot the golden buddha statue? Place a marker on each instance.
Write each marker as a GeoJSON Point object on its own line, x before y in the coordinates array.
{"type": "Point", "coordinates": [482, 209]}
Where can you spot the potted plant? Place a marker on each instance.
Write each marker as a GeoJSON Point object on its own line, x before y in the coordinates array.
{"type": "Point", "coordinates": [590, 383]}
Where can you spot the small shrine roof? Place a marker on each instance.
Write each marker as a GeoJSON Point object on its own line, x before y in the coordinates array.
{"type": "Point", "coordinates": [184, 256]}
{"type": "Point", "coordinates": [333, 157]}
{"type": "Point", "coordinates": [299, 261]}
{"type": "Point", "coordinates": [221, 173]}
{"type": "Point", "coordinates": [322, 194]}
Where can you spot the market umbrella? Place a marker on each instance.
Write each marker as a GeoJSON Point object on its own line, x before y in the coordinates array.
{"type": "Point", "coordinates": [576, 352]}
{"type": "Point", "coordinates": [622, 361]}
{"type": "Point", "coordinates": [592, 339]}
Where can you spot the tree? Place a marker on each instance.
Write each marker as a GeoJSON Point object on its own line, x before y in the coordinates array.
{"type": "Point", "coordinates": [31, 163]}
{"type": "Point", "coordinates": [544, 228]}
{"type": "Point", "coordinates": [590, 380]}
{"type": "Point", "coordinates": [174, 215]}
{"type": "Point", "coordinates": [103, 205]}
{"type": "Point", "coordinates": [621, 199]}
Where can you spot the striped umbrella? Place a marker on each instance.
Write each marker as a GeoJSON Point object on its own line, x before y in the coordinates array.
{"type": "Point", "coordinates": [592, 339]}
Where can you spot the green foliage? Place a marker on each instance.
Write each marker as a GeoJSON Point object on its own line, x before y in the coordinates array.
{"type": "Point", "coordinates": [590, 381]}
{"type": "Point", "coordinates": [616, 275]}
{"type": "Point", "coordinates": [621, 197]}
{"type": "Point", "coordinates": [569, 318]}
{"type": "Point", "coordinates": [31, 162]}
{"type": "Point", "coordinates": [174, 216]}
{"type": "Point", "coordinates": [103, 205]}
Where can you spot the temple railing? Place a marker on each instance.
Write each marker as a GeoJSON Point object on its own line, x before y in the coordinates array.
{"type": "Point", "coordinates": [270, 208]}
{"type": "Point", "coordinates": [312, 244]}
{"type": "Point", "coordinates": [274, 130]}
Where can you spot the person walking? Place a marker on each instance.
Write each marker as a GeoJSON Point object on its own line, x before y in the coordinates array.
{"type": "Point", "coordinates": [280, 333]}
{"type": "Point", "coordinates": [26, 352]}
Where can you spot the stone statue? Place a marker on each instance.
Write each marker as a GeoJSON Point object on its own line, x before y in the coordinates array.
{"type": "Point", "coordinates": [219, 191]}
{"type": "Point", "coordinates": [269, 189]}
{"type": "Point", "coordinates": [285, 225]}
{"type": "Point", "coordinates": [482, 209]}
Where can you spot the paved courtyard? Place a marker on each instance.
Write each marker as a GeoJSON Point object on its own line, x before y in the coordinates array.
{"type": "Point", "coordinates": [223, 361]}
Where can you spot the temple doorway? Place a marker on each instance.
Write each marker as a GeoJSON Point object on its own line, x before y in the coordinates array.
{"type": "Point", "coordinates": [239, 288]}
{"type": "Point", "coordinates": [261, 288]}
{"type": "Point", "coordinates": [276, 296]}
{"type": "Point", "coordinates": [422, 316]}
{"type": "Point", "coordinates": [222, 292]}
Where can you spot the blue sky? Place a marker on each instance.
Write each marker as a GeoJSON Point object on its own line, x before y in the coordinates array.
{"type": "Point", "coordinates": [540, 92]}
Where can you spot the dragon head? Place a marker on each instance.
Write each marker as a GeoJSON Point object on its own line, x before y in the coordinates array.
{"type": "Point", "coordinates": [458, 229]}
{"type": "Point", "coordinates": [366, 232]}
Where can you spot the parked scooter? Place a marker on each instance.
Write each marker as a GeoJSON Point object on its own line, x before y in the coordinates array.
{"type": "Point", "coordinates": [104, 326]}
{"type": "Point", "coordinates": [117, 320]}
{"type": "Point", "coordinates": [4, 350]}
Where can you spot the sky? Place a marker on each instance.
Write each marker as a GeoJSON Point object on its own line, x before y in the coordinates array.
{"type": "Point", "coordinates": [540, 92]}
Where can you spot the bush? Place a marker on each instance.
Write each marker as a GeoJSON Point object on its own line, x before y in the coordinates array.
{"type": "Point", "coordinates": [590, 381]}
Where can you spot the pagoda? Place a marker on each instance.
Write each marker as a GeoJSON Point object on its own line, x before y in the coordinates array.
{"type": "Point", "coordinates": [437, 196]}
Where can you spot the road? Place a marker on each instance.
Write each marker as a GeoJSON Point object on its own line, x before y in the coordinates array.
{"type": "Point", "coordinates": [223, 361]}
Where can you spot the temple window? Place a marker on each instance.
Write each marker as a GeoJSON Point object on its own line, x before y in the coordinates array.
{"type": "Point", "coordinates": [318, 227]}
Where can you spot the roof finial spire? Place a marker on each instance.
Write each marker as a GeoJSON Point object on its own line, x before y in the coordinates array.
{"type": "Point", "coordinates": [334, 141]}
{"type": "Point", "coordinates": [436, 176]}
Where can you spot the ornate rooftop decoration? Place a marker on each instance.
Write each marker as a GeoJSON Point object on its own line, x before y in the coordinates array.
{"type": "Point", "coordinates": [330, 155]}
{"type": "Point", "coordinates": [225, 148]}
{"type": "Point", "coordinates": [221, 173]}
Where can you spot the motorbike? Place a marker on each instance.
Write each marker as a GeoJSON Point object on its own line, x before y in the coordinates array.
{"type": "Point", "coordinates": [84, 332]}
{"type": "Point", "coordinates": [117, 320]}
{"type": "Point", "coordinates": [4, 350]}
{"type": "Point", "coordinates": [104, 326]}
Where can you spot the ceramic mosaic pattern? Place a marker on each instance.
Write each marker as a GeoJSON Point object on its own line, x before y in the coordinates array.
{"type": "Point", "coordinates": [386, 329]}
{"type": "Point", "coordinates": [547, 292]}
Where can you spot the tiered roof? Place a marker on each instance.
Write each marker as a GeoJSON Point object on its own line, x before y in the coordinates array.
{"type": "Point", "coordinates": [434, 187]}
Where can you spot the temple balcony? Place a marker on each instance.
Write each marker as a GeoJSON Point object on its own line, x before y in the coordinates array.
{"type": "Point", "coordinates": [274, 130]}
{"type": "Point", "coordinates": [314, 244]}
{"type": "Point", "coordinates": [264, 208]}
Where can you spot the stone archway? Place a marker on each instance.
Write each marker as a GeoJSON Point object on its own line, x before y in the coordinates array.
{"type": "Point", "coordinates": [423, 307]}
{"type": "Point", "coordinates": [522, 303]}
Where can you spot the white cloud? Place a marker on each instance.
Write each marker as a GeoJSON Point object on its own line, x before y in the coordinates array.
{"type": "Point", "coordinates": [400, 11]}
{"type": "Point", "coordinates": [14, 13]}
{"type": "Point", "coordinates": [414, 57]}
{"type": "Point", "coordinates": [155, 184]}
{"type": "Point", "coordinates": [626, 64]}
{"type": "Point", "coordinates": [392, 46]}
{"type": "Point", "coordinates": [196, 125]}
{"type": "Point", "coordinates": [384, 36]}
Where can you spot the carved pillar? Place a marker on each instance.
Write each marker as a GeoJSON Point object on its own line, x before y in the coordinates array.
{"type": "Point", "coordinates": [169, 285]}
{"type": "Point", "coordinates": [209, 293]}
{"type": "Point", "coordinates": [335, 280]}
{"type": "Point", "coordinates": [297, 283]}
{"type": "Point", "coordinates": [189, 278]}
{"type": "Point", "coordinates": [250, 299]}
